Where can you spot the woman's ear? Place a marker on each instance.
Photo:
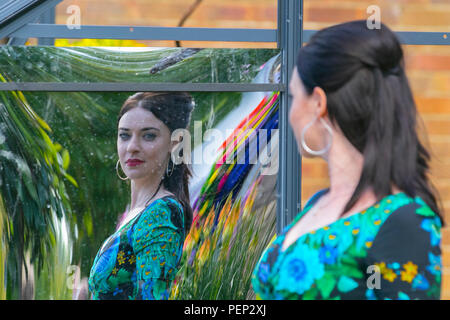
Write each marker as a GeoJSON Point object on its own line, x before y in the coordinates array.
{"type": "Point", "coordinates": [319, 98]}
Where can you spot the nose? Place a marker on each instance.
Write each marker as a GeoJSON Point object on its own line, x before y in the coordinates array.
{"type": "Point", "coordinates": [133, 145]}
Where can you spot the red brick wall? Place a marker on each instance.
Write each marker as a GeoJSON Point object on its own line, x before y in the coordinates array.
{"type": "Point", "coordinates": [428, 67]}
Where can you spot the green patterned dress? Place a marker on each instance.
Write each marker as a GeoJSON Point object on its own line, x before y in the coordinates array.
{"type": "Point", "coordinates": [389, 251]}
{"type": "Point", "coordinates": [141, 259]}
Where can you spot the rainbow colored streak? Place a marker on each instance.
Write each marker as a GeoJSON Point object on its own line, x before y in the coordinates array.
{"type": "Point", "coordinates": [216, 209]}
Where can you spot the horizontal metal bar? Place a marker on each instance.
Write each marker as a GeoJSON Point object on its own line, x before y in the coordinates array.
{"type": "Point", "coordinates": [139, 86]}
{"type": "Point", "coordinates": [406, 37]}
{"type": "Point", "coordinates": [423, 38]}
{"type": "Point", "coordinates": [37, 30]}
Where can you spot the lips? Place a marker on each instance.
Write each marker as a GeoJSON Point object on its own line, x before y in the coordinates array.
{"type": "Point", "coordinates": [134, 162]}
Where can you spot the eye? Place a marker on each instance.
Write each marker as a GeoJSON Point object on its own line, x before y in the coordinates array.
{"type": "Point", "coordinates": [149, 136]}
{"type": "Point", "coordinates": [124, 136]}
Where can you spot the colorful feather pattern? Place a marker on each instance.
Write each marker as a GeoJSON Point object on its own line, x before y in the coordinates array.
{"type": "Point", "coordinates": [231, 168]}
{"type": "Point", "coordinates": [234, 214]}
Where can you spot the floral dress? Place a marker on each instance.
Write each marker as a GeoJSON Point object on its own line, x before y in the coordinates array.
{"type": "Point", "coordinates": [141, 259]}
{"type": "Point", "coordinates": [389, 251]}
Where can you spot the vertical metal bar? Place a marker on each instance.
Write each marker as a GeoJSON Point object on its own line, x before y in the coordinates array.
{"type": "Point", "coordinates": [47, 17]}
{"type": "Point", "coordinates": [290, 25]}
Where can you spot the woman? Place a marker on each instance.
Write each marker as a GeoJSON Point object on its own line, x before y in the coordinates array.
{"type": "Point", "coordinates": [375, 232]}
{"type": "Point", "coordinates": [140, 260]}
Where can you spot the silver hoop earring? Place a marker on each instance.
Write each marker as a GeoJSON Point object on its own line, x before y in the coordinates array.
{"type": "Point", "coordinates": [117, 171]}
{"type": "Point", "coordinates": [308, 149]}
{"type": "Point", "coordinates": [169, 173]}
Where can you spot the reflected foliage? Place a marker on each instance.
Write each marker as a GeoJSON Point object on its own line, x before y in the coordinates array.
{"type": "Point", "coordinates": [84, 124]}
{"type": "Point", "coordinates": [35, 202]}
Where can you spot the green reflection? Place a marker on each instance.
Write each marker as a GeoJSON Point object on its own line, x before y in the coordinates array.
{"type": "Point", "coordinates": [84, 124]}
{"type": "Point", "coordinates": [85, 64]}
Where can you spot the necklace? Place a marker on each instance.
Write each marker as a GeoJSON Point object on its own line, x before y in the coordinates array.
{"type": "Point", "coordinates": [133, 213]}
{"type": "Point", "coordinates": [157, 189]}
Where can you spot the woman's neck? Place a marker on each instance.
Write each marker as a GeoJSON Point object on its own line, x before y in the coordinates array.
{"type": "Point", "coordinates": [345, 165]}
{"type": "Point", "coordinates": [142, 191]}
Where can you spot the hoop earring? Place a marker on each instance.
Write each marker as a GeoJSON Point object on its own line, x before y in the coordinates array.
{"type": "Point", "coordinates": [169, 173]}
{"type": "Point", "coordinates": [308, 149]}
{"type": "Point", "coordinates": [117, 171]}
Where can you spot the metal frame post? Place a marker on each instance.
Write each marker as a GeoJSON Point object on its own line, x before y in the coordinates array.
{"type": "Point", "coordinates": [290, 26]}
{"type": "Point", "coordinates": [47, 17]}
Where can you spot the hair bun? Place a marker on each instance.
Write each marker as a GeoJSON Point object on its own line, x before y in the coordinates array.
{"type": "Point", "coordinates": [395, 71]}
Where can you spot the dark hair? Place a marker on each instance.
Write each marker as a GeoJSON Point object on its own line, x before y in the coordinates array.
{"type": "Point", "coordinates": [361, 70]}
{"type": "Point", "coordinates": [174, 110]}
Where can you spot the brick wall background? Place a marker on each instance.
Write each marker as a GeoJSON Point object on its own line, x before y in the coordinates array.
{"type": "Point", "coordinates": [428, 67]}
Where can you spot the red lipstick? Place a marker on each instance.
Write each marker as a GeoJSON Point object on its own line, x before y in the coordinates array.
{"type": "Point", "coordinates": [134, 162]}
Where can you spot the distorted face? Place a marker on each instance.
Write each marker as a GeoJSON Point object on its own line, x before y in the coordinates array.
{"type": "Point", "coordinates": [143, 144]}
{"type": "Point", "coordinates": [305, 110]}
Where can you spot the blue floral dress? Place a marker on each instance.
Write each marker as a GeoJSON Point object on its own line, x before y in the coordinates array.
{"type": "Point", "coordinates": [389, 251]}
{"type": "Point", "coordinates": [141, 259]}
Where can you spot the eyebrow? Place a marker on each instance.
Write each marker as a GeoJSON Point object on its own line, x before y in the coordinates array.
{"type": "Point", "coordinates": [143, 129]}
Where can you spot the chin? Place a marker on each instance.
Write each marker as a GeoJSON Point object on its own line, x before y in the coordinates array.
{"type": "Point", "coordinates": [133, 175]}
{"type": "Point", "coordinates": [140, 175]}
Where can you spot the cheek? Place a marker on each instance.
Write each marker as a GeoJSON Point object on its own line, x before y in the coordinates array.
{"type": "Point", "coordinates": [157, 152]}
{"type": "Point", "coordinates": [292, 116]}
{"type": "Point", "coordinates": [120, 149]}
{"type": "Point", "coordinates": [295, 114]}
